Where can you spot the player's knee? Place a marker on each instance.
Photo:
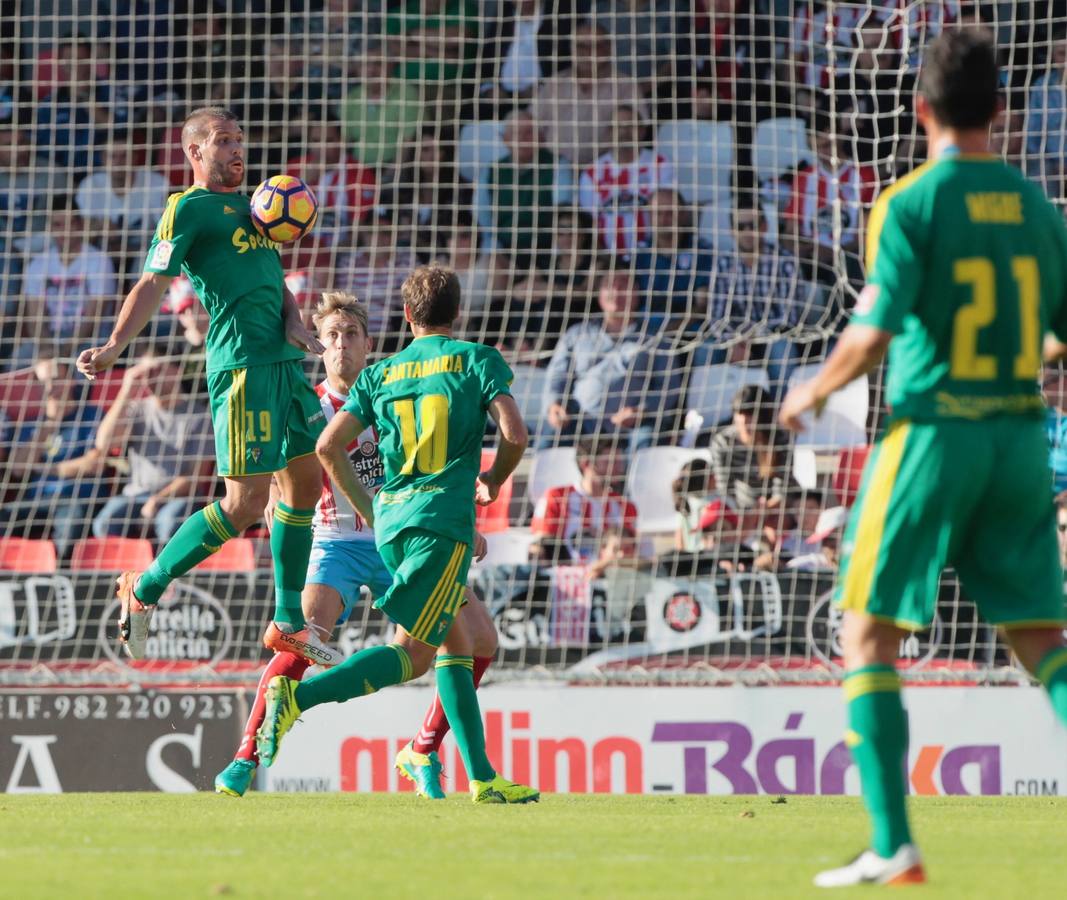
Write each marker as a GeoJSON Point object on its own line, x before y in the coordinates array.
{"type": "Point", "coordinates": [1031, 645]}
{"type": "Point", "coordinates": [867, 642]}
{"type": "Point", "coordinates": [244, 506]}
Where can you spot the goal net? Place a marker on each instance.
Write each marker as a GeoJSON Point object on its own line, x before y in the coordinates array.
{"type": "Point", "coordinates": [656, 210]}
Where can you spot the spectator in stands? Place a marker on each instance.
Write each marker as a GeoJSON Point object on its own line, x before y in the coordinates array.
{"type": "Point", "coordinates": [53, 462]}
{"type": "Point", "coordinates": [674, 268]}
{"type": "Point", "coordinates": [649, 38]}
{"type": "Point", "coordinates": [517, 201]}
{"type": "Point", "coordinates": [68, 118]}
{"type": "Point", "coordinates": [1054, 385]}
{"type": "Point", "coordinates": [346, 190]}
{"type": "Point", "coordinates": [618, 185]}
{"type": "Point", "coordinates": [66, 286]}
{"type": "Point", "coordinates": [808, 221]}
{"type": "Point", "coordinates": [339, 33]}
{"type": "Point", "coordinates": [1008, 134]}
{"type": "Point", "coordinates": [752, 458]}
{"type": "Point", "coordinates": [569, 267]}
{"type": "Point", "coordinates": [570, 521]}
{"type": "Point", "coordinates": [433, 192]}
{"type": "Point", "coordinates": [760, 294]}
{"type": "Point", "coordinates": [575, 107]}
{"type": "Point", "coordinates": [523, 46]}
{"type": "Point", "coordinates": [823, 542]}
{"type": "Point", "coordinates": [26, 188]}
{"type": "Point", "coordinates": [720, 527]}
{"type": "Point", "coordinates": [606, 376]}
{"type": "Point", "coordinates": [482, 276]}
{"type": "Point", "coordinates": [381, 112]}
{"type": "Point", "coordinates": [1047, 118]}
{"type": "Point", "coordinates": [122, 201]}
{"type": "Point", "coordinates": [374, 271]}
{"type": "Point", "coordinates": [437, 39]}
{"type": "Point", "coordinates": [693, 490]}
{"type": "Point", "coordinates": [168, 446]}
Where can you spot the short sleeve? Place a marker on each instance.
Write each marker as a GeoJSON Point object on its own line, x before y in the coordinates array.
{"type": "Point", "coordinates": [894, 268]}
{"type": "Point", "coordinates": [494, 374]}
{"type": "Point", "coordinates": [173, 237]}
{"type": "Point", "coordinates": [360, 400]}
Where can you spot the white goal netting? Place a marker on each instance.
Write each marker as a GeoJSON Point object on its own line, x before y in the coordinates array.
{"type": "Point", "coordinates": [656, 209]}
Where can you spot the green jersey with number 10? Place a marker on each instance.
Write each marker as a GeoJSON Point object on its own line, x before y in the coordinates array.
{"type": "Point", "coordinates": [967, 266]}
{"type": "Point", "coordinates": [428, 404]}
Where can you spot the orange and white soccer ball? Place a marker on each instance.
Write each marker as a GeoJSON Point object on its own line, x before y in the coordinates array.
{"type": "Point", "coordinates": [284, 208]}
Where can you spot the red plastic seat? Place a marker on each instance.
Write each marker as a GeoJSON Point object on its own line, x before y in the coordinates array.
{"type": "Point", "coordinates": [27, 555]}
{"type": "Point", "coordinates": [21, 396]}
{"type": "Point", "coordinates": [105, 387]}
{"type": "Point", "coordinates": [848, 474]}
{"type": "Point", "coordinates": [495, 516]}
{"type": "Point", "coordinates": [236, 555]}
{"type": "Point", "coordinates": [112, 554]}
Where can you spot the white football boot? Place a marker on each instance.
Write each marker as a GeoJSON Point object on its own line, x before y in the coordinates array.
{"type": "Point", "coordinates": [135, 617]}
{"type": "Point", "coordinates": [903, 867]}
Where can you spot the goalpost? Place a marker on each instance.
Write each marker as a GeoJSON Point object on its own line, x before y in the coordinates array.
{"type": "Point", "coordinates": [710, 163]}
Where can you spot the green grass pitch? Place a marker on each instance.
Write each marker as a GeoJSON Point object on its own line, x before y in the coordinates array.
{"type": "Point", "coordinates": [385, 846]}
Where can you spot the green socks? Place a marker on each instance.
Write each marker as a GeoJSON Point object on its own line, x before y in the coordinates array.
{"type": "Point", "coordinates": [290, 545]}
{"type": "Point", "coordinates": [364, 673]}
{"type": "Point", "coordinates": [455, 686]}
{"type": "Point", "coordinates": [202, 534]}
{"type": "Point", "coordinates": [878, 738]}
{"type": "Point", "coordinates": [1052, 673]}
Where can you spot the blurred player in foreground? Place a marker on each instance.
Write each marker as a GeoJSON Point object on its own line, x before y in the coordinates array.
{"type": "Point", "coordinates": [265, 415]}
{"type": "Point", "coordinates": [344, 559]}
{"type": "Point", "coordinates": [428, 405]}
{"type": "Point", "coordinates": [967, 272]}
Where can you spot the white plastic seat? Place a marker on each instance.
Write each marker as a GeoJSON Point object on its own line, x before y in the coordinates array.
{"type": "Point", "coordinates": [712, 388]}
{"type": "Point", "coordinates": [551, 467]}
{"type": "Point", "coordinates": [648, 484]}
{"type": "Point", "coordinates": [702, 156]}
{"type": "Point", "coordinates": [480, 145]}
{"type": "Point", "coordinates": [805, 468]}
{"type": "Point", "coordinates": [843, 422]}
{"type": "Point", "coordinates": [508, 548]}
{"type": "Point", "coordinates": [778, 146]}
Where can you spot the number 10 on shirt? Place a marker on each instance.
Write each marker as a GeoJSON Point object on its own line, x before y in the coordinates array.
{"type": "Point", "coordinates": [426, 440]}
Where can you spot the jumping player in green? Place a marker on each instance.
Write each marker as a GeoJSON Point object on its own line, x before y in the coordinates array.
{"type": "Point", "coordinates": [266, 416]}
{"type": "Point", "coordinates": [428, 404]}
{"type": "Point", "coordinates": [967, 273]}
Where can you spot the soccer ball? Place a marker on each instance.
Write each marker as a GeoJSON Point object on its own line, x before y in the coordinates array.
{"type": "Point", "coordinates": [284, 209]}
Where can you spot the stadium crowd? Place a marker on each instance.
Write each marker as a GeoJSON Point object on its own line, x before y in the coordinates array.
{"type": "Point", "coordinates": [630, 190]}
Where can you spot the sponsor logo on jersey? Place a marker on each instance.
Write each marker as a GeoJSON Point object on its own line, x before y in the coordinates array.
{"type": "Point", "coordinates": [161, 255]}
{"type": "Point", "coordinates": [229, 210]}
{"type": "Point", "coordinates": [244, 241]}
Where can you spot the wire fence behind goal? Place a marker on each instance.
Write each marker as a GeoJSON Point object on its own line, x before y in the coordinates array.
{"type": "Point", "coordinates": [657, 212]}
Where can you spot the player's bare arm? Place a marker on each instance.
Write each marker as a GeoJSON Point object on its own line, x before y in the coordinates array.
{"type": "Point", "coordinates": [142, 302]}
{"type": "Point", "coordinates": [513, 440]}
{"type": "Point", "coordinates": [858, 352]}
{"type": "Point", "coordinates": [331, 449]}
{"type": "Point", "coordinates": [1053, 350]}
{"type": "Point", "coordinates": [296, 332]}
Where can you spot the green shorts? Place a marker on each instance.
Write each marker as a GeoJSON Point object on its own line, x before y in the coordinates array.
{"type": "Point", "coordinates": [429, 577]}
{"type": "Point", "coordinates": [263, 417]}
{"type": "Point", "coordinates": [973, 495]}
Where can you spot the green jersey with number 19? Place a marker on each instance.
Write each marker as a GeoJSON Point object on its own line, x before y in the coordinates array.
{"type": "Point", "coordinates": [428, 404]}
{"type": "Point", "coordinates": [967, 266]}
{"type": "Point", "coordinates": [236, 272]}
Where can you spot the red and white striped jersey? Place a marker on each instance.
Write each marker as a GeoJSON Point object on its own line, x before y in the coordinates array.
{"type": "Point", "coordinates": [335, 518]}
{"type": "Point", "coordinates": [571, 516]}
{"type": "Point", "coordinates": [814, 192]}
{"type": "Point", "coordinates": [616, 193]}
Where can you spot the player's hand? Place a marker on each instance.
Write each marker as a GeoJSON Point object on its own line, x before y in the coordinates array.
{"type": "Point", "coordinates": [798, 401]}
{"type": "Point", "coordinates": [95, 360]}
{"type": "Point", "coordinates": [297, 334]}
{"type": "Point", "coordinates": [557, 416]}
{"type": "Point", "coordinates": [627, 417]}
{"type": "Point", "coordinates": [485, 490]}
{"type": "Point", "coordinates": [481, 546]}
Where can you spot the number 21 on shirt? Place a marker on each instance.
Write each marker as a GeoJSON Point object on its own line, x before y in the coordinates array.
{"type": "Point", "coordinates": [425, 441]}
{"type": "Point", "coordinates": [979, 273]}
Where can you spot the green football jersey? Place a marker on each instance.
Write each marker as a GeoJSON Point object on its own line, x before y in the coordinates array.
{"type": "Point", "coordinates": [236, 272]}
{"type": "Point", "coordinates": [967, 267]}
{"type": "Point", "coordinates": [428, 404]}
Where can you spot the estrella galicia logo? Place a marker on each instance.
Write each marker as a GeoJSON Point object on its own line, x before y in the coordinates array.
{"type": "Point", "coordinates": [190, 625]}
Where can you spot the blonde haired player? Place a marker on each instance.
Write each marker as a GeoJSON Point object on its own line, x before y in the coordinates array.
{"type": "Point", "coordinates": [344, 559]}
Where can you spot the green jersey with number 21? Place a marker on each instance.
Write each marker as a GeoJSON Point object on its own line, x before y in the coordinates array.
{"type": "Point", "coordinates": [428, 404]}
{"type": "Point", "coordinates": [967, 266]}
